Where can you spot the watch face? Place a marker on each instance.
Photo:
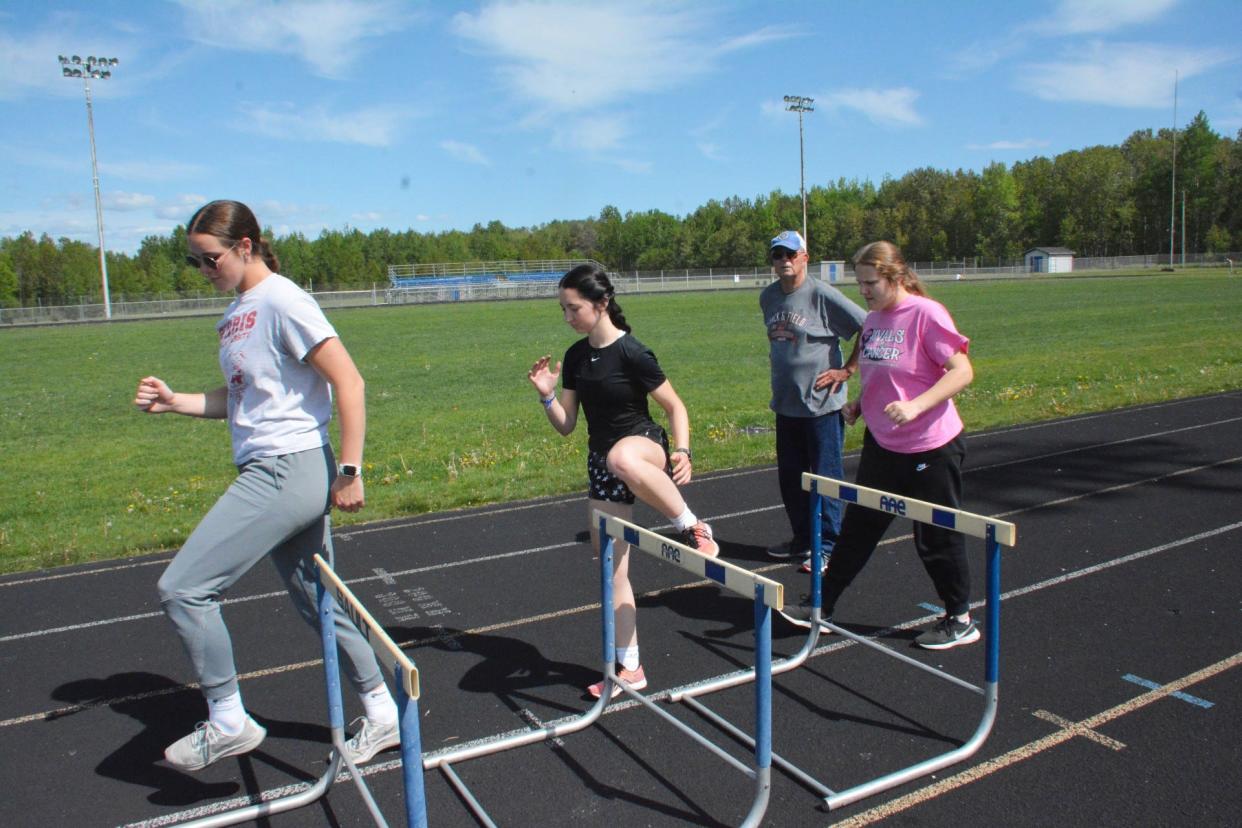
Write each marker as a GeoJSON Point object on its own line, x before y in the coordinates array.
{"type": "Point", "coordinates": [348, 470]}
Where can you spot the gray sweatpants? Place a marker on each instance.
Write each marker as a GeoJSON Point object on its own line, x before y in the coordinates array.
{"type": "Point", "coordinates": [277, 506]}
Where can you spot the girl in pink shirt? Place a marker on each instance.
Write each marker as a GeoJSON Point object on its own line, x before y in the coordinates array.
{"type": "Point", "coordinates": [911, 361]}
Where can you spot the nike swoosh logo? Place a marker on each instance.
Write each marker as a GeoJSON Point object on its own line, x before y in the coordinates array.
{"type": "Point", "coordinates": [594, 359]}
{"type": "Point", "coordinates": [920, 467]}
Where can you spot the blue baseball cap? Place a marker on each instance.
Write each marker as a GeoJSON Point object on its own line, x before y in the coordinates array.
{"type": "Point", "coordinates": [788, 239]}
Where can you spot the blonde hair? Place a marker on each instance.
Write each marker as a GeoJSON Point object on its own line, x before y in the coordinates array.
{"type": "Point", "coordinates": [888, 262]}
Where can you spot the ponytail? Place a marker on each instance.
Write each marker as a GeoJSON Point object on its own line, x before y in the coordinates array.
{"type": "Point", "coordinates": [592, 283]}
{"type": "Point", "coordinates": [232, 221]}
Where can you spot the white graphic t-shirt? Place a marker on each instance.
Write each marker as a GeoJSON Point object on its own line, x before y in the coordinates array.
{"type": "Point", "coordinates": [278, 403]}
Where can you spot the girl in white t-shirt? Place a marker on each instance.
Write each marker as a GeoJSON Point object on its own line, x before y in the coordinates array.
{"type": "Point", "coordinates": [279, 355]}
{"type": "Point", "coordinates": [911, 363]}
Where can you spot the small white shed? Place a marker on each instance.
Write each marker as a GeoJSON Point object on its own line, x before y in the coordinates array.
{"type": "Point", "coordinates": [1049, 260]}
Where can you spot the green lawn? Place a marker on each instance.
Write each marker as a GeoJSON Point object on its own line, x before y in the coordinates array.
{"type": "Point", "coordinates": [453, 422]}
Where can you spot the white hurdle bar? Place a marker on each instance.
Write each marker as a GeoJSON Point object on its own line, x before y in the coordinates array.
{"type": "Point", "coordinates": [406, 675]}
{"type": "Point", "coordinates": [767, 595]}
{"type": "Point", "coordinates": [994, 532]}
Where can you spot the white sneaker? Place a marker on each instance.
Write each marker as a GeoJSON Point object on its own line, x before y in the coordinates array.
{"type": "Point", "coordinates": [371, 738]}
{"type": "Point", "coordinates": [209, 743]}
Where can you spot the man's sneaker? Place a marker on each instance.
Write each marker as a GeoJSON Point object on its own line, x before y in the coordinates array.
{"type": "Point", "coordinates": [636, 679]}
{"type": "Point", "coordinates": [788, 549]}
{"type": "Point", "coordinates": [699, 536]}
{"type": "Point", "coordinates": [800, 614]}
{"type": "Point", "coordinates": [823, 562]}
{"type": "Point", "coordinates": [948, 632]}
{"type": "Point", "coordinates": [209, 743]}
{"type": "Point", "coordinates": [371, 738]}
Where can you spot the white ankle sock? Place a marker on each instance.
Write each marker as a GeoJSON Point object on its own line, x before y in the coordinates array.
{"type": "Point", "coordinates": [227, 714]}
{"type": "Point", "coordinates": [380, 706]}
{"type": "Point", "coordinates": [628, 656]}
{"type": "Point", "coordinates": [685, 520]}
{"type": "Point", "coordinates": [963, 618]}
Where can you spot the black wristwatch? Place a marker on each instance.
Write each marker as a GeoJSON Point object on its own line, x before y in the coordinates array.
{"type": "Point", "coordinates": [348, 470]}
{"type": "Point", "coordinates": [684, 451]}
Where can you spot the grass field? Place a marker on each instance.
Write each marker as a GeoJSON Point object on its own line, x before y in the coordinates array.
{"type": "Point", "coordinates": [453, 422]}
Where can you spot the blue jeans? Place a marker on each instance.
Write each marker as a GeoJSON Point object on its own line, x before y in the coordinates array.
{"type": "Point", "coordinates": [809, 444]}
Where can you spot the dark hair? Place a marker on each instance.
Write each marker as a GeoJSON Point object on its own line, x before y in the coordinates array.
{"type": "Point", "coordinates": [232, 221]}
{"type": "Point", "coordinates": [592, 283]}
{"type": "Point", "coordinates": [888, 262]}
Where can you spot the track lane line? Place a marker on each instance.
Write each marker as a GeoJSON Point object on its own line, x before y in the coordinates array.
{"type": "Point", "coordinates": [1031, 749]}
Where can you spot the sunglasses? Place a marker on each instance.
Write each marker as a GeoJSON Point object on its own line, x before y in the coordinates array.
{"type": "Point", "coordinates": [208, 260]}
{"type": "Point", "coordinates": [779, 253]}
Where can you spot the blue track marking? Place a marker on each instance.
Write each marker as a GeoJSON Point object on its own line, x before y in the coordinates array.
{"type": "Point", "coordinates": [1151, 685]}
{"type": "Point", "coordinates": [932, 608]}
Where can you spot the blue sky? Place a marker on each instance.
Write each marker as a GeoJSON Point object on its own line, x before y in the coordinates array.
{"type": "Point", "coordinates": [435, 116]}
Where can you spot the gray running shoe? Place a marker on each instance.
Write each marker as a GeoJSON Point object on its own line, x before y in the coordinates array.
{"type": "Point", "coordinates": [948, 632]}
{"type": "Point", "coordinates": [787, 549]}
{"type": "Point", "coordinates": [800, 614]}
{"type": "Point", "coordinates": [371, 738]}
{"type": "Point", "coordinates": [208, 743]}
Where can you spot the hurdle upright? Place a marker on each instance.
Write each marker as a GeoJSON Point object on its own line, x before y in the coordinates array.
{"type": "Point", "coordinates": [768, 595]}
{"type": "Point", "coordinates": [994, 532]}
{"type": "Point", "coordinates": [406, 676]}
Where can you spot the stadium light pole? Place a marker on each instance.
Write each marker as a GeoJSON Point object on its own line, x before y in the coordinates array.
{"type": "Point", "coordinates": [101, 69]}
{"type": "Point", "coordinates": [1173, 176]}
{"type": "Point", "coordinates": [800, 104]}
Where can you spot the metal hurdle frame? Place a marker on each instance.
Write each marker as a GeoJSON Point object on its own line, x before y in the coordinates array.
{"type": "Point", "coordinates": [767, 595]}
{"type": "Point", "coordinates": [994, 532]}
{"type": "Point", "coordinates": [406, 677]}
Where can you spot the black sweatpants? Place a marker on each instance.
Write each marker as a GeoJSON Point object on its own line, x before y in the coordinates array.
{"type": "Point", "coordinates": [934, 476]}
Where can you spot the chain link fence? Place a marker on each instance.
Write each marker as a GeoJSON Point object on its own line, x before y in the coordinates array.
{"type": "Point", "coordinates": [631, 282]}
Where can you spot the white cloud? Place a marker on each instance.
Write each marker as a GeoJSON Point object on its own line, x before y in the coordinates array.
{"type": "Point", "coordinates": [126, 202]}
{"type": "Point", "coordinates": [591, 133]}
{"type": "Point", "coordinates": [374, 126]}
{"type": "Point", "coordinates": [1118, 74]}
{"type": "Point", "coordinates": [1075, 17]}
{"type": "Point", "coordinates": [710, 151]}
{"type": "Point", "coordinates": [886, 107]}
{"type": "Point", "coordinates": [329, 35]}
{"type": "Point", "coordinates": [465, 152]}
{"type": "Point", "coordinates": [1024, 144]}
{"type": "Point", "coordinates": [763, 37]}
{"type": "Point", "coordinates": [150, 170]}
{"type": "Point", "coordinates": [573, 56]}
{"type": "Point", "coordinates": [368, 217]}
{"type": "Point", "coordinates": [181, 207]}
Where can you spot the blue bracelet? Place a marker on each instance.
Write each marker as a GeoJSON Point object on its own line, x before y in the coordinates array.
{"type": "Point", "coordinates": [548, 402]}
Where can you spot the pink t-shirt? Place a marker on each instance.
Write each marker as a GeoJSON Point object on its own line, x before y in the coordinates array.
{"type": "Point", "coordinates": [903, 352]}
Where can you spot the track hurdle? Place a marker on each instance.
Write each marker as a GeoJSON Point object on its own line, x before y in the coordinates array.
{"type": "Point", "coordinates": [767, 595]}
{"type": "Point", "coordinates": [994, 532]}
{"type": "Point", "coordinates": [406, 676]}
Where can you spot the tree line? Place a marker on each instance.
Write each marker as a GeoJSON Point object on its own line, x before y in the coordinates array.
{"type": "Point", "coordinates": [1098, 201]}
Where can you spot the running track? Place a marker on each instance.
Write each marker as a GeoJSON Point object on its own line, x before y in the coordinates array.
{"type": "Point", "coordinates": [1119, 683]}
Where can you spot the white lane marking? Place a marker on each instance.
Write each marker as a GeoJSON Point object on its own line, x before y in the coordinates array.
{"type": "Point", "coordinates": [384, 575]}
{"type": "Point", "coordinates": [1034, 748]}
{"type": "Point", "coordinates": [1014, 593]}
{"type": "Point", "coordinates": [348, 534]}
